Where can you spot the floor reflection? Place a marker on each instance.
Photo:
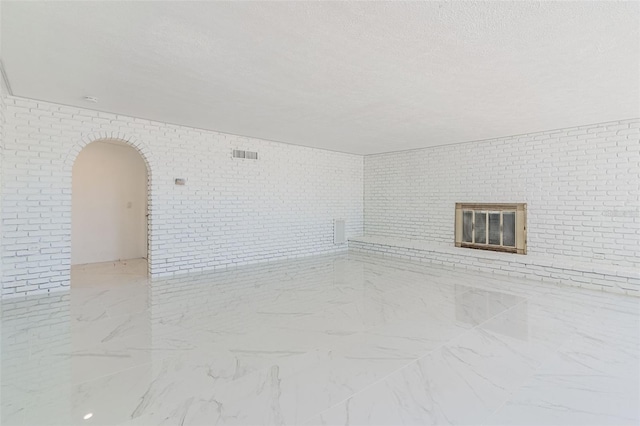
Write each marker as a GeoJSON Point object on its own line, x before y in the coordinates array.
{"type": "Point", "coordinates": [311, 340]}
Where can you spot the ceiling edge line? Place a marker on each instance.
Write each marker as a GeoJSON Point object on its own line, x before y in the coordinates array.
{"type": "Point", "coordinates": [537, 132]}
{"type": "Point", "coordinates": [189, 127]}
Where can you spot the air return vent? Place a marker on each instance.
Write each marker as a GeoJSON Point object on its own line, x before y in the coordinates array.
{"type": "Point", "coordinates": [248, 155]}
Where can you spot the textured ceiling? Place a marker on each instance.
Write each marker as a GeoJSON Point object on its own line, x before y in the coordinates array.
{"type": "Point", "coordinates": [348, 76]}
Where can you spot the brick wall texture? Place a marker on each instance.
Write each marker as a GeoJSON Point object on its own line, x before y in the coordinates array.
{"type": "Point", "coordinates": [230, 212]}
{"type": "Point", "coordinates": [581, 186]}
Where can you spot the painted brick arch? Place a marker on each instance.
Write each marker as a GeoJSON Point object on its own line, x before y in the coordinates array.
{"type": "Point", "coordinates": [231, 212]}
{"type": "Point", "coordinates": [144, 152]}
{"type": "Point", "coordinates": [102, 136]}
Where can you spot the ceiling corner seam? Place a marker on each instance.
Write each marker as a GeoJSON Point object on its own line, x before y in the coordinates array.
{"type": "Point", "coordinates": [5, 78]}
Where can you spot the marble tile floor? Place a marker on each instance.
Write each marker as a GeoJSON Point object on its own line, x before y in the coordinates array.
{"type": "Point", "coordinates": [347, 339]}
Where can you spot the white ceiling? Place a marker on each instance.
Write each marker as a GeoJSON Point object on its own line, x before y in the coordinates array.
{"type": "Point", "coordinates": [352, 76]}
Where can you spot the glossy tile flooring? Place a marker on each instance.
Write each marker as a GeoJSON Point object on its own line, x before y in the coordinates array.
{"type": "Point", "coordinates": [343, 339]}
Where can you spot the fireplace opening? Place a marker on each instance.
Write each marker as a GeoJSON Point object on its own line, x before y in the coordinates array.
{"type": "Point", "coordinates": [492, 226]}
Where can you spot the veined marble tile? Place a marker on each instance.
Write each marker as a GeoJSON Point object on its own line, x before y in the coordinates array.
{"type": "Point", "coordinates": [462, 382]}
{"type": "Point", "coordinates": [12, 412]}
{"type": "Point", "coordinates": [589, 381]}
{"type": "Point", "coordinates": [277, 397]}
{"type": "Point", "coordinates": [335, 339]}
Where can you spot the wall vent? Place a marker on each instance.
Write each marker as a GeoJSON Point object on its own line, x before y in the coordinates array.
{"type": "Point", "coordinates": [249, 155]}
{"type": "Point", "coordinates": [339, 231]}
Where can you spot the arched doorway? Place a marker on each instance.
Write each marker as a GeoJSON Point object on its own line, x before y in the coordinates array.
{"type": "Point", "coordinates": [109, 203]}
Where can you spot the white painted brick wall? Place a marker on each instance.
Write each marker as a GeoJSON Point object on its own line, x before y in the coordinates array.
{"type": "Point", "coordinates": [614, 279]}
{"type": "Point", "coordinates": [230, 212]}
{"type": "Point", "coordinates": [3, 109]}
{"type": "Point", "coordinates": [581, 186]}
